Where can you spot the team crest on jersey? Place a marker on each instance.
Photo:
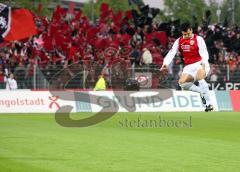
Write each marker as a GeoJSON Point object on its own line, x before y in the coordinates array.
{"type": "Point", "coordinates": [191, 42]}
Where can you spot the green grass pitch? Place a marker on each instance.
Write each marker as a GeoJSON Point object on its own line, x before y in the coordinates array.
{"type": "Point", "coordinates": [36, 143]}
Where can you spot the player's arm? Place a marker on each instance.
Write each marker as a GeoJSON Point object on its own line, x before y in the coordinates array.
{"type": "Point", "coordinates": [169, 57]}
{"type": "Point", "coordinates": [203, 53]}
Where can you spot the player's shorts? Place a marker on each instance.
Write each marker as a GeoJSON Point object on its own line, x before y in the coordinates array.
{"type": "Point", "coordinates": [192, 69]}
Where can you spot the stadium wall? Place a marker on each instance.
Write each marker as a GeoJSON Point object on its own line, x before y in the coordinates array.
{"type": "Point", "coordinates": [26, 101]}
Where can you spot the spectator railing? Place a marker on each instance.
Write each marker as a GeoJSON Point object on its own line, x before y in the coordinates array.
{"type": "Point", "coordinates": [85, 76]}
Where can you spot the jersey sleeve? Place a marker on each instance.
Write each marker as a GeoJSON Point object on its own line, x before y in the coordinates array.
{"type": "Point", "coordinates": [203, 50]}
{"type": "Point", "coordinates": [171, 54]}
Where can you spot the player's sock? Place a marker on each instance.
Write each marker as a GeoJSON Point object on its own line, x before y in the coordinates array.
{"type": "Point", "coordinates": [191, 87]}
{"type": "Point", "coordinates": [195, 89]}
{"type": "Point", "coordinates": [205, 91]}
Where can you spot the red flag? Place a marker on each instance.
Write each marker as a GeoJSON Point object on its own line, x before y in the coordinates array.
{"type": "Point", "coordinates": [162, 37]}
{"type": "Point", "coordinates": [104, 8]}
{"type": "Point", "coordinates": [128, 14]}
{"type": "Point", "coordinates": [78, 15]}
{"type": "Point", "coordinates": [118, 17]}
{"type": "Point", "coordinates": [58, 13]}
{"type": "Point", "coordinates": [22, 25]}
{"type": "Point", "coordinates": [71, 7]}
{"type": "Point", "coordinates": [104, 12]}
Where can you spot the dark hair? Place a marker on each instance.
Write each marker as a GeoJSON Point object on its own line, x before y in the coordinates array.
{"type": "Point", "coordinates": [185, 26]}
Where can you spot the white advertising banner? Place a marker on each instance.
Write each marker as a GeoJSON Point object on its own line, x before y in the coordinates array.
{"type": "Point", "coordinates": [45, 102]}
{"type": "Point", "coordinates": [26, 101]}
{"type": "Point", "coordinates": [179, 101]}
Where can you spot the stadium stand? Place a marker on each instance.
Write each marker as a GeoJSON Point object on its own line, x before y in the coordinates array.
{"type": "Point", "coordinates": [112, 46]}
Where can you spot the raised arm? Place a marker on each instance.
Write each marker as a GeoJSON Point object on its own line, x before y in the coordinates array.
{"type": "Point", "coordinates": [203, 53]}
{"type": "Point", "coordinates": [203, 50]}
{"type": "Point", "coordinates": [171, 54]}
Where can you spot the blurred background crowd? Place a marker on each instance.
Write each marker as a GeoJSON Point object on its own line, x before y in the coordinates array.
{"type": "Point", "coordinates": [118, 41]}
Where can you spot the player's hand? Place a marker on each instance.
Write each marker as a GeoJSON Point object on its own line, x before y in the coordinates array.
{"type": "Point", "coordinates": [163, 72]}
{"type": "Point", "coordinates": [164, 68]}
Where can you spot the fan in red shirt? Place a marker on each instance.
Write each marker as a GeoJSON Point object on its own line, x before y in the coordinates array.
{"type": "Point", "coordinates": [195, 56]}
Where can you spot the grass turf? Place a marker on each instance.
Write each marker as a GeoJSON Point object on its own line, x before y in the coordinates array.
{"type": "Point", "coordinates": [35, 142]}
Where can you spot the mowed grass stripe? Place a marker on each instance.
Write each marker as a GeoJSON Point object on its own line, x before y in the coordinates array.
{"type": "Point", "coordinates": [36, 143]}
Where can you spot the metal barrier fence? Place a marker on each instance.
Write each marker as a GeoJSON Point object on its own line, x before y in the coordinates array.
{"type": "Point", "coordinates": [85, 76]}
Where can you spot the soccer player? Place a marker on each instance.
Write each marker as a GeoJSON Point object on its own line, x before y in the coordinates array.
{"type": "Point", "coordinates": [195, 56]}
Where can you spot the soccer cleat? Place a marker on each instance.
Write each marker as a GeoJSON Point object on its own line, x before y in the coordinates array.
{"type": "Point", "coordinates": [209, 108]}
{"type": "Point", "coordinates": [203, 100]}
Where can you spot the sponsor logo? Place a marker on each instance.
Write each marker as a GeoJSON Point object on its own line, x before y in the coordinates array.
{"type": "Point", "coordinates": [53, 100]}
{"type": "Point", "coordinates": [185, 47]}
{"type": "Point", "coordinates": [144, 79]}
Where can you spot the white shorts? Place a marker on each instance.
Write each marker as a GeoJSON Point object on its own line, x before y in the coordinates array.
{"type": "Point", "coordinates": [192, 69]}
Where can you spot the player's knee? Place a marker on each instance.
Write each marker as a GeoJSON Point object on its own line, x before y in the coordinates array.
{"type": "Point", "coordinates": [180, 82]}
{"type": "Point", "coordinates": [185, 85]}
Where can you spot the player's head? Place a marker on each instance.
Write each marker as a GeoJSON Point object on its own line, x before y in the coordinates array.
{"type": "Point", "coordinates": [186, 30]}
{"type": "Point", "coordinates": [11, 76]}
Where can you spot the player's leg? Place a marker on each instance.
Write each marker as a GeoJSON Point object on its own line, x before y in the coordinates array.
{"type": "Point", "coordinates": [190, 71]}
{"type": "Point", "coordinates": [186, 83]}
{"type": "Point", "coordinates": [187, 78]}
{"type": "Point", "coordinates": [201, 74]}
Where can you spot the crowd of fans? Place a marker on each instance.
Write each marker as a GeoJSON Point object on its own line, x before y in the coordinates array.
{"type": "Point", "coordinates": [131, 38]}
